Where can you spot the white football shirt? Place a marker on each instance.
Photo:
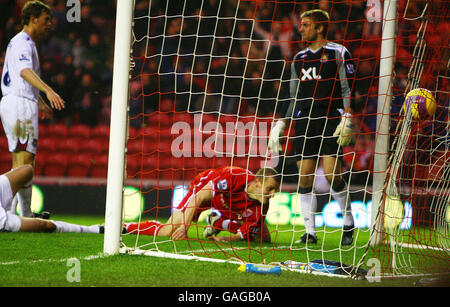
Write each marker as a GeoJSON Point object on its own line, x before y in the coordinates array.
{"type": "Point", "coordinates": [20, 54]}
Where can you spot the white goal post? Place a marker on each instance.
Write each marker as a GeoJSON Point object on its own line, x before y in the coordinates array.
{"type": "Point", "coordinates": [118, 127]}
{"type": "Point", "coordinates": [389, 24]}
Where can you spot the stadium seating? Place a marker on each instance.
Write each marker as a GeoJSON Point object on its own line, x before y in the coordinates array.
{"type": "Point", "coordinates": [100, 132]}
{"type": "Point", "coordinates": [47, 145]}
{"type": "Point", "coordinates": [69, 146]}
{"type": "Point", "coordinates": [55, 165]}
{"type": "Point", "coordinates": [79, 166]}
{"type": "Point", "coordinates": [55, 131]}
{"type": "Point", "coordinates": [94, 146]}
{"type": "Point", "coordinates": [82, 151]}
{"type": "Point", "coordinates": [99, 167]}
{"type": "Point", "coordinates": [80, 132]}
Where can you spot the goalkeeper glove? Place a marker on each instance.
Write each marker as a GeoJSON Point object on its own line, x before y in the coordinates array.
{"type": "Point", "coordinates": [274, 137]}
{"type": "Point", "coordinates": [344, 130]}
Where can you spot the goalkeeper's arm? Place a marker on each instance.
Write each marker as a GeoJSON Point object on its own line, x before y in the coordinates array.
{"type": "Point", "coordinates": [344, 130]}
{"type": "Point", "coordinates": [279, 128]}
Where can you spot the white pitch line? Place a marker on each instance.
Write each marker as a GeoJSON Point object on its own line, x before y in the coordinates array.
{"type": "Point", "coordinates": [91, 257]}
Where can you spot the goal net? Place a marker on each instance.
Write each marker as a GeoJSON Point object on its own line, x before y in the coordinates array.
{"type": "Point", "coordinates": [415, 208]}
{"type": "Point", "coordinates": [210, 79]}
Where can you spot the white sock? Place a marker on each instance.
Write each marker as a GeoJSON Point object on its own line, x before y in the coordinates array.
{"type": "Point", "coordinates": [343, 199]}
{"type": "Point", "coordinates": [308, 204]}
{"type": "Point", "coordinates": [24, 197]}
{"type": "Point", "coordinates": [11, 208]}
{"type": "Point", "coordinates": [67, 227]}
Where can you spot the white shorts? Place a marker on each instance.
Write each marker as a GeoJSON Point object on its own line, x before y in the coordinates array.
{"type": "Point", "coordinates": [8, 221]}
{"type": "Point", "coordinates": [20, 119]}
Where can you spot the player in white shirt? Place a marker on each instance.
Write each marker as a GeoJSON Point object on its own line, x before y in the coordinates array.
{"type": "Point", "coordinates": [20, 85]}
{"type": "Point", "coordinates": [12, 182]}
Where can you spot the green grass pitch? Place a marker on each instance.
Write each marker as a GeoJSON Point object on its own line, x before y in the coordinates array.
{"type": "Point", "coordinates": [47, 260]}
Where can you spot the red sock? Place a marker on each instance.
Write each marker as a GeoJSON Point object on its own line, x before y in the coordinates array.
{"type": "Point", "coordinates": [149, 228]}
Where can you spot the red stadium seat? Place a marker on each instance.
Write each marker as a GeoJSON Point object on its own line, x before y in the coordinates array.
{"type": "Point", "coordinates": [79, 166]}
{"type": "Point", "coordinates": [183, 117]}
{"type": "Point", "coordinates": [158, 119]}
{"type": "Point", "coordinates": [56, 131]}
{"type": "Point", "coordinates": [69, 146]}
{"type": "Point", "coordinates": [47, 145]}
{"type": "Point", "coordinates": [99, 167]}
{"type": "Point", "coordinates": [100, 132]}
{"type": "Point", "coordinates": [55, 165]}
{"type": "Point", "coordinates": [134, 146]}
{"type": "Point", "coordinates": [93, 146]}
{"type": "Point", "coordinates": [80, 132]}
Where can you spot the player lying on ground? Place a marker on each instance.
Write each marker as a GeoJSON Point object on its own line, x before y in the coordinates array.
{"type": "Point", "coordinates": [239, 198]}
{"type": "Point", "coordinates": [10, 183]}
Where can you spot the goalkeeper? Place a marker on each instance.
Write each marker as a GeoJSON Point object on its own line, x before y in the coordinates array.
{"type": "Point", "coordinates": [239, 200]}
{"type": "Point", "coordinates": [320, 91]}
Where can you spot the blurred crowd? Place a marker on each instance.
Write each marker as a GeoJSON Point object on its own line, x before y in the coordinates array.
{"type": "Point", "coordinates": [185, 58]}
{"type": "Point", "coordinates": [76, 60]}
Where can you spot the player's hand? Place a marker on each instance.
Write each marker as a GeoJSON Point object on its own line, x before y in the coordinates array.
{"type": "Point", "coordinates": [179, 234]}
{"type": "Point", "coordinates": [344, 131]}
{"type": "Point", "coordinates": [46, 111]}
{"type": "Point", "coordinates": [218, 239]}
{"type": "Point", "coordinates": [277, 131]}
{"type": "Point", "coordinates": [56, 102]}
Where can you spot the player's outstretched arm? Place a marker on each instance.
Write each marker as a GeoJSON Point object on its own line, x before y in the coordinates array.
{"type": "Point", "coordinates": [31, 77]}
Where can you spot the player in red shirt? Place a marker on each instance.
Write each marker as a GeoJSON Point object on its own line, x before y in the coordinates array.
{"type": "Point", "coordinates": [239, 198]}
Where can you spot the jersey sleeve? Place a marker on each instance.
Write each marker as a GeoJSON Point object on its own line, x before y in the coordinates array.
{"type": "Point", "coordinates": [346, 77]}
{"type": "Point", "coordinates": [293, 89]}
{"type": "Point", "coordinates": [22, 56]}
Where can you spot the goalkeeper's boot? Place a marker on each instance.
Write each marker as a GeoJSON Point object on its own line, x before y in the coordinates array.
{"type": "Point", "coordinates": [210, 230]}
{"type": "Point", "coordinates": [43, 215]}
{"type": "Point", "coordinates": [308, 238]}
{"type": "Point", "coordinates": [347, 235]}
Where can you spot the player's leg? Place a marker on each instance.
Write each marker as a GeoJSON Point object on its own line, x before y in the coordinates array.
{"type": "Point", "coordinates": [20, 122]}
{"type": "Point", "coordinates": [308, 200]}
{"type": "Point", "coordinates": [20, 158]}
{"type": "Point", "coordinates": [339, 191]}
{"type": "Point", "coordinates": [41, 225]}
{"type": "Point", "coordinates": [20, 176]}
{"type": "Point", "coordinates": [306, 149]}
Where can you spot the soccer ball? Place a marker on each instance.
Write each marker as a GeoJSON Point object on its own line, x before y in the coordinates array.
{"type": "Point", "coordinates": [421, 102]}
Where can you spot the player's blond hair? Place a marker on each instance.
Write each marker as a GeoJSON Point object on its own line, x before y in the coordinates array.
{"type": "Point", "coordinates": [268, 172]}
{"type": "Point", "coordinates": [319, 18]}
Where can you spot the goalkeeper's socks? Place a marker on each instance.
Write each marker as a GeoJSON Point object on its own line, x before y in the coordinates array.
{"type": "Point", "coordinates": [340, 194]}
{"type": "Point", "coordinates": [308, 203]}
{"type": "Point", "coordinates": [149, 228]}
{"type": "Point", "coordinates": [68, 227]}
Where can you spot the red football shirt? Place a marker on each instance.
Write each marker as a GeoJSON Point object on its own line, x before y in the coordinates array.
{"type": "Point", "coordinates": [229, 191]}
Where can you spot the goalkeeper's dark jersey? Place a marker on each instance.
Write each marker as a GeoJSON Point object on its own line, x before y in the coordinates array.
{"type": "Point", "coordinates": [320, 78]}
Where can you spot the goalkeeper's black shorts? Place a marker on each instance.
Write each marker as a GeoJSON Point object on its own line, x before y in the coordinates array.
{"type": "Point", "coordinates": [314, 135]}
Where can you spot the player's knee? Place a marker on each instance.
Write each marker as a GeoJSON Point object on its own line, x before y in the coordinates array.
{"type": "Point", "coordinates": [304, 190]}
{"type": "Point", "coordinates": [47, 226]}
{"type": "Point", "coordinates": [338, 184]}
